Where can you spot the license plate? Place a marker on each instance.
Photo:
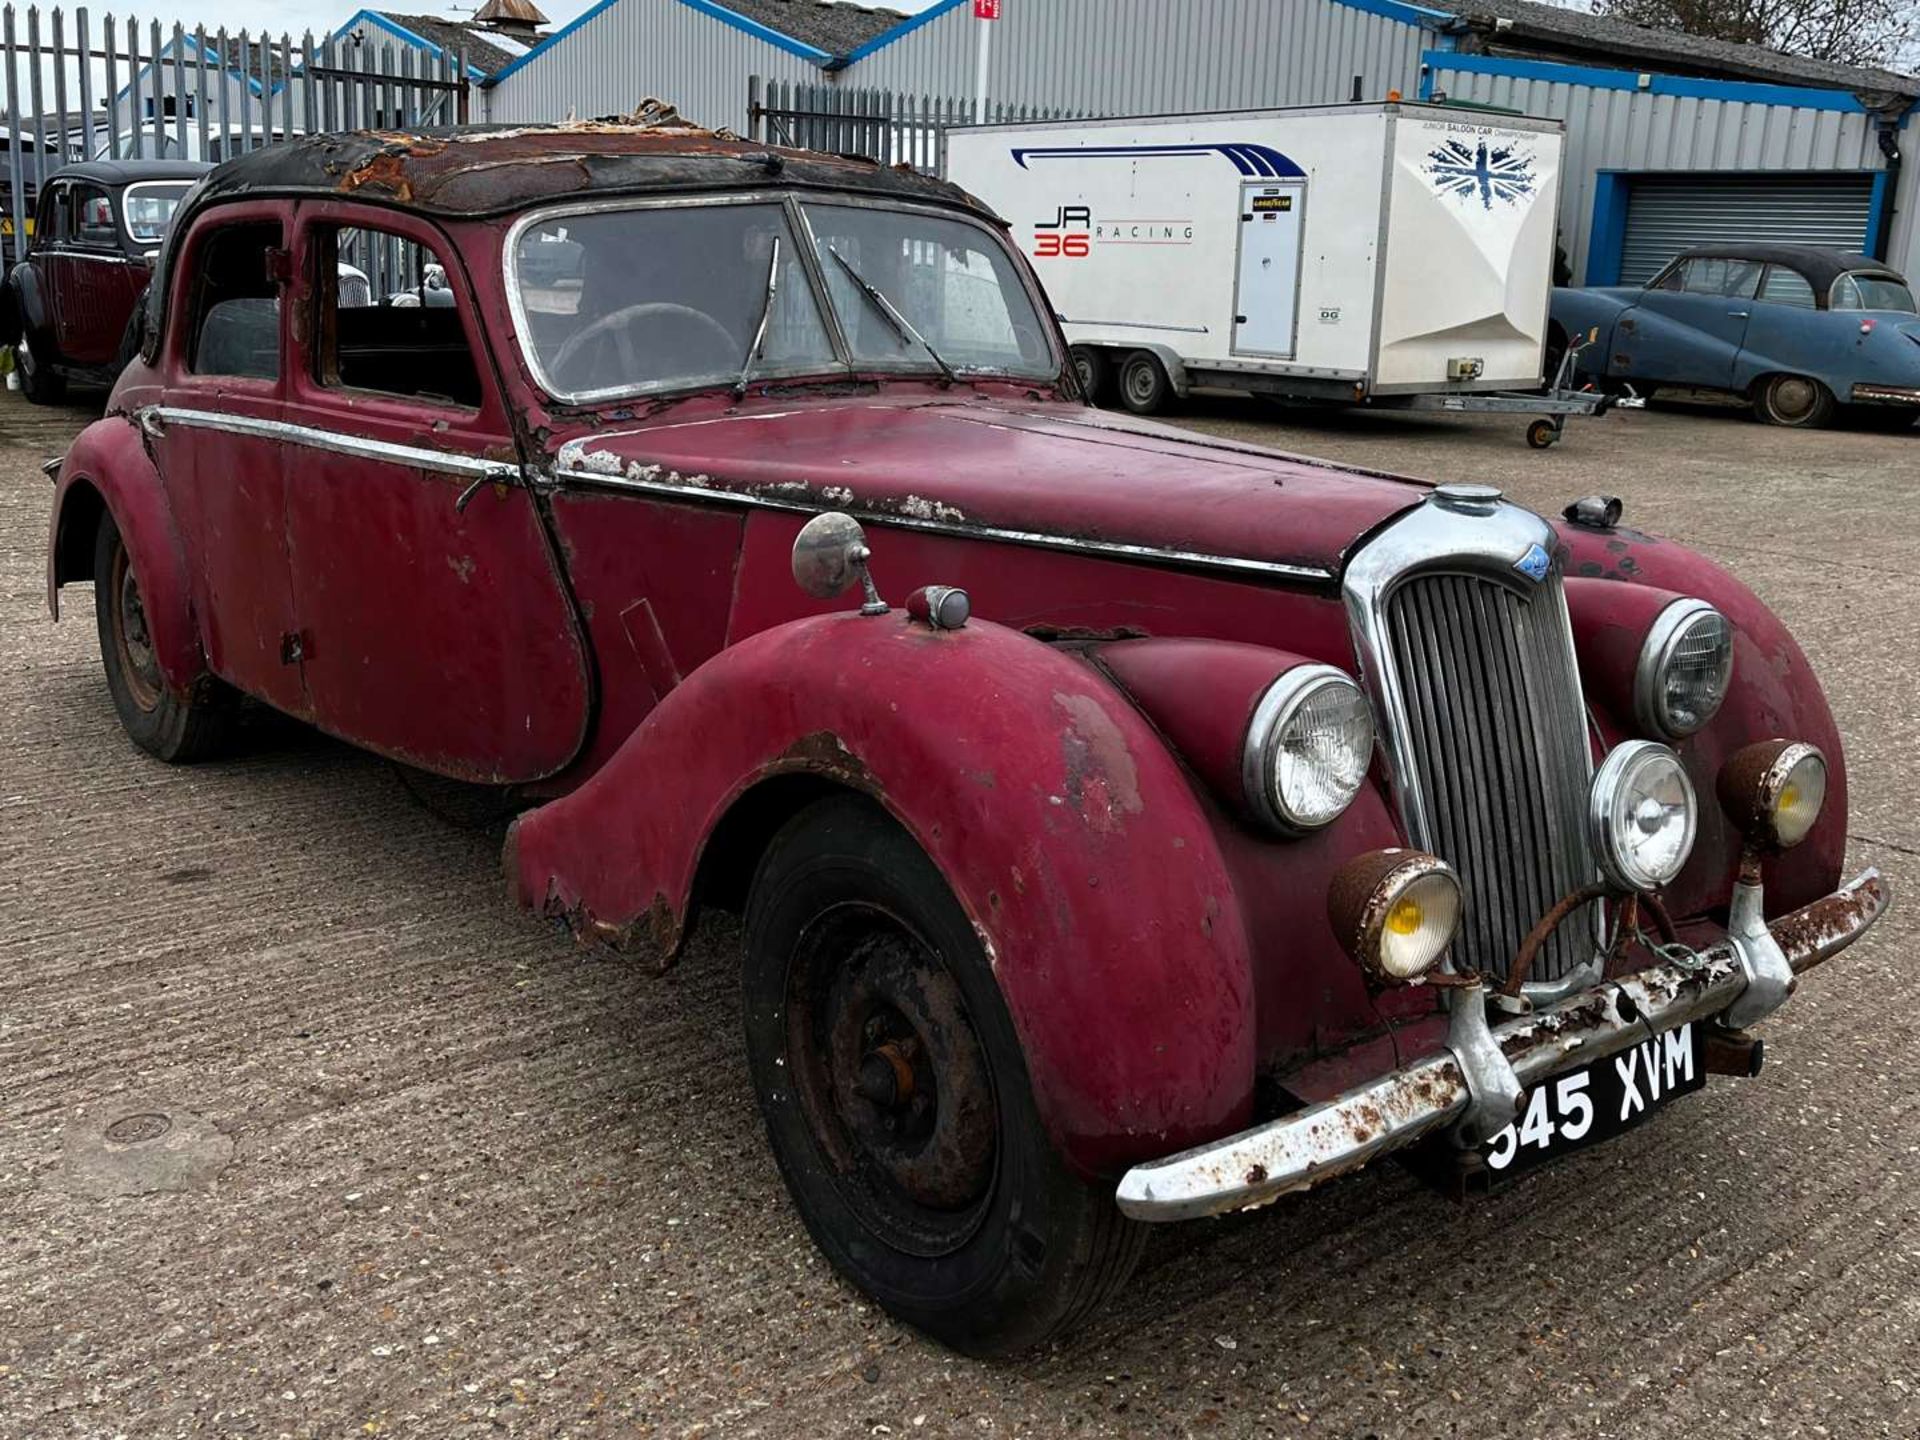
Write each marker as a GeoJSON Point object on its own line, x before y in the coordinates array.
{"type": "Point", "coordinates": [1578, 1107]}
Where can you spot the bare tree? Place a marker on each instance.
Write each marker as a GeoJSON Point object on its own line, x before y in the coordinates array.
{"type": "Point", "coordinates": [1880, 33]}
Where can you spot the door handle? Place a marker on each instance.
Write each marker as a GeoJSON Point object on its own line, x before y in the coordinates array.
{"type": "Point", "coordinates": [1740, 314]}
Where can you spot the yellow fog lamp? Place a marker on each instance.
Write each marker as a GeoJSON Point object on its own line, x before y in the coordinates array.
{"type": "Point", "coordinates": [1773, 791]}
{"type": "Point", "coordinates": [1395, 912]}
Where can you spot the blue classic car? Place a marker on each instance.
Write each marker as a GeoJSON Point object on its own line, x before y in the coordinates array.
{"type": "Point", "coordinates": [1800, 331]}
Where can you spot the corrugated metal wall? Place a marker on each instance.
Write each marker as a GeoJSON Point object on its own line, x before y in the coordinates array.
{"type": "Point", "coordinates": [1108, 57]}
{"type": "Point", "coordinates": [641, 48]}
{"type": "Point", "coordinates": [1630, 130]}
{"type": "Point", "coordinates": [1132, 57]}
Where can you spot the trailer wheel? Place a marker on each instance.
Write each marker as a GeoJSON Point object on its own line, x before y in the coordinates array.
{"type": "Point", "coordinates": [1144, 387]}
{"type": "Point", "coordinates": [1095, 373]}
{"type": "Point", "coordinates": [1542, 433]}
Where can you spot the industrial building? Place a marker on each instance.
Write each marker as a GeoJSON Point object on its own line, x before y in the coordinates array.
{"type": "Point", "coordinates": [1672, 139]}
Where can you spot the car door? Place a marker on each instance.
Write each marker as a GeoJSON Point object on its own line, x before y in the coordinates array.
{"type": "Point", "coordinates": [216, 433]}
{"type": "Point", "coordinates": [52, 220]}
{"type": "Point", "coordinates": [1689, 324]}
{"type": "Point", "coordinates": [96, 281]}
{"type": "Point", "coordinates": [436, 625]}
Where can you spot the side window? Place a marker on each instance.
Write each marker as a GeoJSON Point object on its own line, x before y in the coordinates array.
{"type": "Point", "coordinates": [1845, 294]}
{"type": "Point", "coordinates": [389, 320]}
{"type": "Point", "coordinates": [1735, 279]}
{"type": "Point", "coordinates": [236, 307]}
{"type": "Point", "coordinates": [1786, 287]}
{"type": "Point", "coordinates": [1676, 278]}
{"type": "Point", "coordinates": [94, 213]}
{"type": "Point", "coordinates": [50, 224]}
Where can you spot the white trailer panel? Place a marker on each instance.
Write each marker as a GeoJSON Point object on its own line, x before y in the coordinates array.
{"type": "Point", "coordinates": [1331, 252]}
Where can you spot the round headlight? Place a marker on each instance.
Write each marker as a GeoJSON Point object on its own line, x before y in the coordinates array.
{"type": "Point", "coordinates": [1643, 815]}
{"type": "Point", "coordinates": [1395, 912]}
{"type": "Point", "coordinates": [1685, 667]}
{"type": "Point", "coordinates": [1308, 748]}
{"type": "Point", "coordinates": [1774, 791]}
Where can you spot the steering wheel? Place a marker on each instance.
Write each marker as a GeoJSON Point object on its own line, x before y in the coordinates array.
{"type": "Point", "coordinates": [619, 327]}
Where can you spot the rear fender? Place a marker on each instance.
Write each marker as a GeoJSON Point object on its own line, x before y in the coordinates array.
{"type": "Point", "coordinates": [29, 305]}
{"type": "Point", "coordinates": [1066, 829]}
{"type": "Point", "coordinates": [108, 470]}
{"type": "Point", "coordinates": [1578, 311]}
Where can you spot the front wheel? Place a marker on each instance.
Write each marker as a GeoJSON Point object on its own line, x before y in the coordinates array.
{"type": "Point", "coordinates": [896, 1097]}
{"type": "Point", "coordinates": [177, 728]}
{"type": "Point", "coordinates": [1797, 401]}
{"type": "Point", "coordinates": [1144, 387]}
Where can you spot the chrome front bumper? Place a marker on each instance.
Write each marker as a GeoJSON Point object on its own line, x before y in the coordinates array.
{"type": "Point", "coordinates": [1340, 1135]}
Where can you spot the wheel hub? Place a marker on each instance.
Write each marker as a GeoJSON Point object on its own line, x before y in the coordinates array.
{"type": "Point", "coordinates": [893, 1079]}
{"type": "Point", "coordinates": [1793, 398]}
{"type": "Point", "coordinates": [140, 665]}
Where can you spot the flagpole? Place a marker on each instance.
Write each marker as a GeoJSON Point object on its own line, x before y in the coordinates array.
{"type": "Point", "coordinates": [980, 72]}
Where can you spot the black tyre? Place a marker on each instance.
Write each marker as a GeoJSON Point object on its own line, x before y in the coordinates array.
{"type": "Point", "coordinates": [1797, 401]}
{"type": "Point", "coordinates": [37, 382]}
{"type": "Point", "coordinates": [1542, 433]}
{"type": "Point", "coordinates": [896, 1097]}
{"type": "Point", "coordinates": [178, 730]}
{"type": "Point", "coordinates": [1144, 387]}
{"type": "Point", "coordinates": [1095, 373]}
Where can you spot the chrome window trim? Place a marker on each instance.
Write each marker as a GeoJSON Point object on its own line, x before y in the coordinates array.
{"type": "Point", "coordinates": [794, 204]}
{"type": "Point", "coordinates": [127, 194]}
{"type": "Point", "coordinates": [359, 446]}
{"type": "Point", "coordinates": [1469, 534]}
{"type": "Point", "coordinates": [684, 488]}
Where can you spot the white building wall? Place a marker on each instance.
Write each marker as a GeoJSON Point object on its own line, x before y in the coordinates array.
{"type": "Point", "coordinates": [1633, 130]}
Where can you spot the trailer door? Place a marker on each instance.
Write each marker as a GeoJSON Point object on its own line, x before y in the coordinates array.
{"type": "Point", "coordinates": [1266, 294]}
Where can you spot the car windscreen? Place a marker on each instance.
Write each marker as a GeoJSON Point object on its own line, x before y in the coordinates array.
{"type": "Point", "coordinates": [148, 208]}
{"type": "Point", "coordinates": [671, 297]}
{"type": "Point", "coordinates": [950, 281]}
{"type": "Point", "coordinates": [1863, 291]}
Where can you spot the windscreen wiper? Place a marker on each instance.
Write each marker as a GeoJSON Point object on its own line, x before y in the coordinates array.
{"type": "Point", "coordinates": [901, 326]}
{"type": "Point", "coordinates": [760, 330]}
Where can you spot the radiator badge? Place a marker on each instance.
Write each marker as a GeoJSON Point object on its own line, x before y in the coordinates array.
{"type": "Point", "coordinates": [1535, 563]}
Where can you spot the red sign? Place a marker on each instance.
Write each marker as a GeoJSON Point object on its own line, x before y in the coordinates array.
{"type": "Point", "coordinates": [986, 9]}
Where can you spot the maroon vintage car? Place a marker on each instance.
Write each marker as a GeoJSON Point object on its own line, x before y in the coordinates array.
{"type": "Point", "coordinates": [97, 228]}
{"type": "Point", "coordinates": [1128, 826]}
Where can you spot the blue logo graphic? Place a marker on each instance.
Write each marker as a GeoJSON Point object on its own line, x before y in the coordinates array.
{"type": "Point", "coordinates": [1535, 563]}
{"type": "Point", "coordinates": [1504, 174]}
{"type": "Point", "coordinates": [1260, 160]}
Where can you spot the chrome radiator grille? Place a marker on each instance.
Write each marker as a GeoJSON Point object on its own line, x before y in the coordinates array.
{"type": "Point", "coordinates": [1497, 743]}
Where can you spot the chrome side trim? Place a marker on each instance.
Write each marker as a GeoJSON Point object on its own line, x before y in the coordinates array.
{"type": "Point", "coordinates": [699, 489]}
{"type": "Point", "coordinates": [445, 462]}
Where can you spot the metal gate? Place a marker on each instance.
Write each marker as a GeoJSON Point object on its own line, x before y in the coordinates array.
{"type": "Point", "coordinates": [1668, 214]}
{"type": "Point", "coordinates": [79, 89]}
{"type": "Point", "coordinates": [894, 129]}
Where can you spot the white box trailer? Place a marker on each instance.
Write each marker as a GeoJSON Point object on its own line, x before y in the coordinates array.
{"type": "Point", "coordinates": [1388, 253]}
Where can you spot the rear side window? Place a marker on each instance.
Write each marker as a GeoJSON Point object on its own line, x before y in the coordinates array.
{"type": "Point", "coordinates": [236, 329]}
{"type": "Point", "coordinates": [1786, 287]}
{"type": "Point", "coordinates": [94, 212]}
{"type": "Point", "coordinates": [390, 319]}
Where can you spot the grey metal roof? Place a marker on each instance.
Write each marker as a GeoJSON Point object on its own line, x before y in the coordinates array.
{"type": "Point", "coordinates": [833, 27]}
{"type": "Point", "coordinates": [1550, 32]}
{"type": "Point", "coordinates": [457, 39]}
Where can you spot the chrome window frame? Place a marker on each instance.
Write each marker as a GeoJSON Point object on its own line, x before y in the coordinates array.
{"type": "Point", "coordinates": [1482, 538]}
{"type": "Point", "coordinates": [793, 203]}
{"type": "Point", "coordinates": [1856, 276]}
{"type": "Point", "coordinates": [126, 222]}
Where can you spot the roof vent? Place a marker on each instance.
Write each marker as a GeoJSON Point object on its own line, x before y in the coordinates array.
{"type": "Point", "coordinates": [519, 19]}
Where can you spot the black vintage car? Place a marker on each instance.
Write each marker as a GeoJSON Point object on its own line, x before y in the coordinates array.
{"type": "Point", "coordinates": [97, 227]}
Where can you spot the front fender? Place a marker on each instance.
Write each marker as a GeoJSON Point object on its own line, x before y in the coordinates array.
{"type": "Point", "coordinates": [1067, 831]}
{"type": "Point", "coordinates": [108, 469]}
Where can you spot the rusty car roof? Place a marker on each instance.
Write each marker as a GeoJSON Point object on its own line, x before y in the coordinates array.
{"type": "Point", "coordinates": [475, 171]}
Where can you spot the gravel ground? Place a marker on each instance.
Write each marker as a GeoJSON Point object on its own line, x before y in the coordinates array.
{"type": "Point", "coordinates": [434, 1171]}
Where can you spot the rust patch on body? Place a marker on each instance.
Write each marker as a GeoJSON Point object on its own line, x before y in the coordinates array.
{"type": "Point", "coordinates": [1102, 783]}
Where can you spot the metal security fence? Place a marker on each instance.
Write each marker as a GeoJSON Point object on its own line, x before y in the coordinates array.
{"type": "Point", "coordinates": [78, 89]}
{"type": "Point", "coordinates": [892, 128]}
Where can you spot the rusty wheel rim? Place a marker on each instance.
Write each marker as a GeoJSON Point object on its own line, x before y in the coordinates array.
{"type": "Point", "coordinates": [139, 666]}
{"type": "Point", "coordinates": [892, 1078]}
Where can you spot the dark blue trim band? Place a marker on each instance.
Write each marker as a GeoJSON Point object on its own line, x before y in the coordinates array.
{"type": "Point", "coordinates": [1876, 214]}
{"type": "Point", "coordinates": [399, 32]}
{"type": "Point", "coordinates": [1735, 91]}
{"type": "Point", "coordinates": [1399, 10]}
{"type": "Point", "coordinates": [904, 28]}
{"type": "Point", "coordinates": [1260, 161]}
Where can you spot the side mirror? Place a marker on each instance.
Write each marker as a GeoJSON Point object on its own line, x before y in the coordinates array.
{"type": "Point", "coordinates": [829, 555]}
